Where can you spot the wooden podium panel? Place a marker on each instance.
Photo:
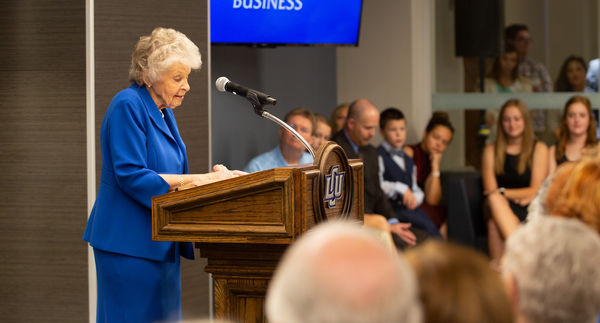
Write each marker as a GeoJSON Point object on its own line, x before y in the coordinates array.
{"type": "Point", "coordinates": [244, 224]}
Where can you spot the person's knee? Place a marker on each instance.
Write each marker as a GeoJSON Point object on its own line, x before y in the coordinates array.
{"type": "Point", "coordinates": [376, 221]}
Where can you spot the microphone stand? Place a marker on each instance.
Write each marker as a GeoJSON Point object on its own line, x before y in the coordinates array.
{"type": "Point", "coordinates": [259, 109]}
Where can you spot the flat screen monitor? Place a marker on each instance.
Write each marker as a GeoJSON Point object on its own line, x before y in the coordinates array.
{"type": "Point", "coordinates": [285, 22]}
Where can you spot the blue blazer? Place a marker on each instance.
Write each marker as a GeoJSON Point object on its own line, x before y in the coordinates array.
{"type": "Point", "coordinates": [137, 144]}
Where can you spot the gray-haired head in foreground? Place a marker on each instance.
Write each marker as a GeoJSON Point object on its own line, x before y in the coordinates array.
{"type": "Point", "coordinates": [556, 266]}
{"type": "Point", "coordinates": [339, 272]}
{"type": "Point", "coordinates": [153, 54]}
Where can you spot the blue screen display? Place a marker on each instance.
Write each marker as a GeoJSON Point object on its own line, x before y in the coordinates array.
{"type": "Point", "coordinates": [285, 21]}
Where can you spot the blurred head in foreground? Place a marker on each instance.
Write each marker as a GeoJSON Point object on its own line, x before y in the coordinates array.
{"type": "Point", "coordinates": [458, 285]}
{"type": "Point", "coordinates": [339, 272]}
{"type": "Point", "coordinates": [552, 271]}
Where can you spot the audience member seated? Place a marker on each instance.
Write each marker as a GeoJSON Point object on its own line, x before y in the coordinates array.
{"type": "Point", "coordinates": [577, 132]}
{"type": "Point", "coordinates": [337, 272]}
{"type": "Point", "coordinates": [457, 284]}
{"type": "Point", "coordinates": [398, 174]}
{"type": "Point", "coordinates": [575, 191]}
{"type": "Point", "coordinates": [504, 76]}
{"type": "Point", "coordinates": [551, 271]}
{"type": "Point", "coordinates": [513, 169]}
{"type": "Point", "coordinates": [571, 77]}
{"type": "Point", "coordinates": [322, 132]}
{"type": "Point", "coordinates": [290, 150]}
{"type": "Point", "coordinates": [338, 117]}
{"type": "Point", "coordinates": [517, 36]}
{"type": "Point", "coordinates": [360, 127]}
{"type": "Point", "coordinates": [427, 156]}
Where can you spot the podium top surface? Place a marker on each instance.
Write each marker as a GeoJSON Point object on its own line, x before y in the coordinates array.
{"type": "Point", "coordinates": [268, 207]}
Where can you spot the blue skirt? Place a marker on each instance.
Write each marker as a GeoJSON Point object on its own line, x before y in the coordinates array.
{"type": "Point", "coordinates": [133, 289]}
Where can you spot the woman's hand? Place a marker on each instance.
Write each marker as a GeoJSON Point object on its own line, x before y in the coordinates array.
{"type": "Point", "coordinates": [185, 181]}
{"type": "Point", "coordinates": [435, 158]}
{"type": "Point", "coordinates": [219, 173]}
{"type": "Point", "coordinates": [524, 201]}
{"type": "Point", "coordinates": [433, 185]}
{"type": "Point", "coordinates": [234, 173]}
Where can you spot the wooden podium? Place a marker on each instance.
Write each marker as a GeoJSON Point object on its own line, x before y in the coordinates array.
{"type": "Point", "coordinates": [244, 224]}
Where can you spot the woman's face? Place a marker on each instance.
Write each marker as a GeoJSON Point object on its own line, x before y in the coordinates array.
{"type": "Point", "coordinates": [508, 62]}
{"type": "Point", "coordinates": [577, 119]}
{"type": "Point", "coordinates": [513, 123]}
{"type": "Point", "coordinates": [438, 139]}
{"type": "Point", "coordinates": [321, 135]}
{"type": "Point", "coordinates": [576, 74]}
{"type": "Point", "coordinates": [340, 118]}
{"type": "Point", "coordinates": [169, 90]}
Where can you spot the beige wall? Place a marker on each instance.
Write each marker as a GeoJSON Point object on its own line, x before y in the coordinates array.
{"type": "Point", "coordinates": [43, 266]}
{"type": "Point", "coordinates": [381, 67]}
{"type": "Point", "coordinates": [573, 29]}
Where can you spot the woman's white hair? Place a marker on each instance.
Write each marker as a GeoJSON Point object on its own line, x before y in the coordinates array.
{"type": "Point", "coordinates": [556, 265]}
{"type": "Point", "coordinates": [339, 272]}
{"type": "Point", "coordinates": [153, 54]}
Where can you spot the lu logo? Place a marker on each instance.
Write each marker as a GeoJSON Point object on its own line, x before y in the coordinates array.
{"type": "Point", "coordinates": [333, 186]}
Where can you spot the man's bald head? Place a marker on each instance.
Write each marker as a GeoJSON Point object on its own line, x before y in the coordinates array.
{"type": "Point", "coordinates": [363, 119]}
{"type": "Point", "coordinates": [358, 108]}
{"type": "Point", "coordinates": [340, 273]}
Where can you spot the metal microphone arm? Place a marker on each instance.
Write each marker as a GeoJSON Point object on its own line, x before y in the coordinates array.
{"type": "Point", "coordinates": [259, 109]}
{"type": "Point", "coordinates": [267, 115]}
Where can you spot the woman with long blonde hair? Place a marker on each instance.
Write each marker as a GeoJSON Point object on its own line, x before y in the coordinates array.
{"type": "Point", "coordinates": [513, 168]}
{"type": "Point", "coordinates": [577, 132]}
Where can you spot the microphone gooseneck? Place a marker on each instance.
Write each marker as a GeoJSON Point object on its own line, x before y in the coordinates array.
{"type": "Point", "coordinates": [265, 114]}
{"type": "Point", "coordinates": [259, 100]}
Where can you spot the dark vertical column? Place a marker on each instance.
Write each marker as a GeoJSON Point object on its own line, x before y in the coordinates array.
{"type": "Point", "coordinates": [43, 261]}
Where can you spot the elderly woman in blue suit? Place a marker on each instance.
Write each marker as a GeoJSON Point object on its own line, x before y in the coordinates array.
{"type": "Point", "coordinates": [142, 156]}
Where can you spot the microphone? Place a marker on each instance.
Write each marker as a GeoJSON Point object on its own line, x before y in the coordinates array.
{"type": "Point", "coordinates": [258, 98]}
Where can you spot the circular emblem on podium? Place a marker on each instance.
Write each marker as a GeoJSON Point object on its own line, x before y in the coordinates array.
{"type": "Point", "coordinates": [334, 193]}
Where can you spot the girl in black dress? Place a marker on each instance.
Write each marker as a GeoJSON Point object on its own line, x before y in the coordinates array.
{"type": "Point", "coordinates": [513, 168]}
